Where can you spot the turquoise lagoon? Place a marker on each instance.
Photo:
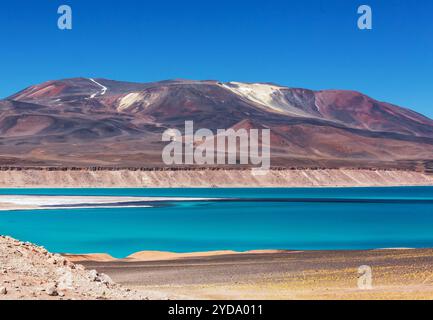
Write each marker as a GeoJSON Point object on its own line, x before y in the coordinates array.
{"type": "Point", "coordinates": [244, 219]}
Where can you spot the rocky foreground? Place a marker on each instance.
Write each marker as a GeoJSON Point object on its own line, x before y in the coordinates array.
{"type": "Point", "coordinates": [30, 272]}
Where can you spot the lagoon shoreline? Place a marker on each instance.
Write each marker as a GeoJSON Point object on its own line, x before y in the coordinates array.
{"type": "Point", "coordinates": [209, 178]}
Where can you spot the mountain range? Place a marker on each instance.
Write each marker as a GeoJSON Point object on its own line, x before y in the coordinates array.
{"type": "Point", "coordinates": [84, 122]}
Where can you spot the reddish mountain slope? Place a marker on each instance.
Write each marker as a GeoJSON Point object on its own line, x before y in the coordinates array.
{"type": "Point", "coordinates": [84, 122]}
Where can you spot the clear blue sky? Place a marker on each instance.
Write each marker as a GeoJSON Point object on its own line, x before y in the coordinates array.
{"type": "Point", "coordinates": [310, 43]}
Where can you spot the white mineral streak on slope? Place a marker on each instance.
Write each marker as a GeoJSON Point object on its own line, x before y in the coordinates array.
{"type": "Point", "coordinates": [269, 97]}
{"type": "Point", "coordinates": [146, 99]}
{"type": "Point", "coordinates": [38, 92]}
{"type": "Point", "coordinates": [103, 89]}
{"type": "Point", "coordinates": [129, 100]}
{"type": "Point", "coordinates": [35, 92]}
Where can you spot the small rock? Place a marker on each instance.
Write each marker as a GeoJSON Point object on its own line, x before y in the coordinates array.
{"type": "Point", "coordinates": [104, 279]}
{"type": "Point", "coordinates": [79, 267]}
{"type": "Point", "coordinates": [3, 291]}
{"type": "Point", "coordinates": [93, 275]}
{"type": "Point", "coordinates": [52, 291]}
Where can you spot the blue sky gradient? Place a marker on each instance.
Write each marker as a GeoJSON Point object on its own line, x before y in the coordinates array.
{"type": "Point", "coordinates": [313, 44]}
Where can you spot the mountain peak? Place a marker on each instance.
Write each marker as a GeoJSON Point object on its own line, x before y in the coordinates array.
{"type": "Point", "coordinates": [96, 121]}
{"type": "Point", "coordinates": [182, 99]}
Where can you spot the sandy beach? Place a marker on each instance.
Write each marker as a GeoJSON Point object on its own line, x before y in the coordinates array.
{"type": "Point", "coordinates": [397, 274]}
{"type": "Point", "coordinates": [144, 256]}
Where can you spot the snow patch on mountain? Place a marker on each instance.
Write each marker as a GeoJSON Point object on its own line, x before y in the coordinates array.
{"type": "Point", "coordinates": [103, 91]}
{"type": "Point", "coordinates": [269, 97]}
{"type": "Point", "coordinates": [142, 99]}
{"type": "Point", "coordinates": [129, 100]}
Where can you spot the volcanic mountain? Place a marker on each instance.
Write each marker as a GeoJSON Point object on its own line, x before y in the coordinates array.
{"type": "Point", "coordinates": [85, 122]}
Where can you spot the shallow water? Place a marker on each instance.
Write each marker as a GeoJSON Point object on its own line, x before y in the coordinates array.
{"type": "Point", "coordinates": [298, 219]}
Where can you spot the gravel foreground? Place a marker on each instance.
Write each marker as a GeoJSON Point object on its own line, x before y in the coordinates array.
{"type": "Point", "coordinates": [30, 272]}
{"type": "Point", "coordinates": [396, 274]}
